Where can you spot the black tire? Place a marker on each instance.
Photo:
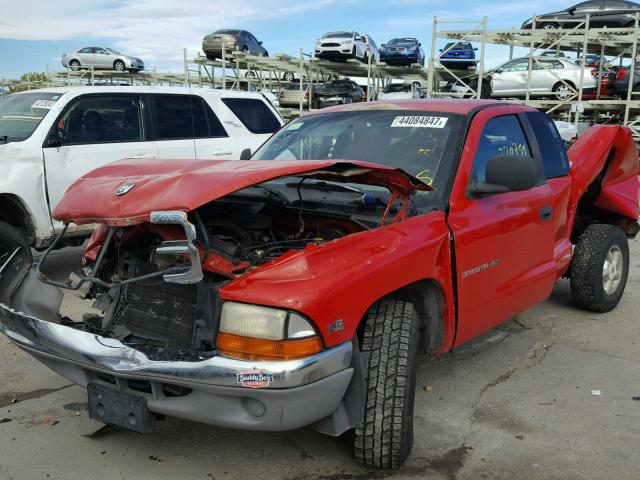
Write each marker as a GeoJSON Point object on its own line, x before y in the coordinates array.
{"type": "Point", "coordinates": [561, 89]}
{"type": "Point", "coordinates": [265, 54]}
{"type": "Point", "coordinates": [549, 26]}
{"type": "Point", "coordinates": [384, 437]}
{"type": "Point", "coordinates": [74, 65]}
{"type": "Point", "coordinates": [119, 66]}
{"type": "Point", "coordinates": [245, 50]}
{"type": "Point", "coordinates": [354, 54]}
{"type": "Point", "coordinates": [587, 272]}
{"type": "Point", "coordinates": [288, 76]}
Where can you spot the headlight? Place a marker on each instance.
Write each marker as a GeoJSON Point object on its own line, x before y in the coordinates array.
{"type": "Point", "coordinates": [344, 42]}
{"type": "Point", "coordinates": [255, 331]}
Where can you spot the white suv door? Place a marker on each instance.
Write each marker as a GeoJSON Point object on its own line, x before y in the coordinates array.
{"type": "Point", "coordinates": [91, 131]}
{"type": "Point", "coordinates": [186, 127]}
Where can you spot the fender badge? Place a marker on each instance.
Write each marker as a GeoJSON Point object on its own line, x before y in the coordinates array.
{"type": "Point", "coordinates": [254, 379]}
{"type": "Point", "coordinates": [124, 188]}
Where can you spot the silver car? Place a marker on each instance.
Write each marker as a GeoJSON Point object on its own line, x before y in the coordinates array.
{"type": "Point", "coordinates": [101, 58]}
{"type": "Point", "coordinates": [550, 77]}
{"type": "Point", "coordinates": [290, 96]}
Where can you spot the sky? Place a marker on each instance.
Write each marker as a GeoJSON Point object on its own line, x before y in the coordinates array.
{"type": "Point", "coordinates": [35, 33]}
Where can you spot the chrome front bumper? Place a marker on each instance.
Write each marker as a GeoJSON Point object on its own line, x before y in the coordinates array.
{"type": "Point", "coordinates": [213, 390]}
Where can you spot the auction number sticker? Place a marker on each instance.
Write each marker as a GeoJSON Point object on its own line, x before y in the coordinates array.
{"type": "Point", "coordinates": [419, 121]}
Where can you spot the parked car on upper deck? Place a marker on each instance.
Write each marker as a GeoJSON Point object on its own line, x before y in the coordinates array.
{"type": "Point", "coordinates": [101, 58]}
{"type": "Point", "coordinates": [458, 55]}
{"type": "Point", "coordinates": [230, 40]}
{"type": "Point", "coordinates": [402, 51]}
{"type": "Point", "coordinates": [550, 77]}
{"type": "Point", "coordinates": [602, 13]}
{"type": "Point", "coordinates": [341, 45]}
{"type": "Point", "coordinates": [307, 285]}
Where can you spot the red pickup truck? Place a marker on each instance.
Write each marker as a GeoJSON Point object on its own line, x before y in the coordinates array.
{"type": "Point", "coordinates": [298, 287]}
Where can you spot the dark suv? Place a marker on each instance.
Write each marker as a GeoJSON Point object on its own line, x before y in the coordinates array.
{"type": "Point", "coordinates": [230, 40]}
{"type": "Point", "coordinates": [602, 13]}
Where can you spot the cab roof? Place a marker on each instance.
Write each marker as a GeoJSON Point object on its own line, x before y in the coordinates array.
{"type": "Point", "coordinates": [461, 106]}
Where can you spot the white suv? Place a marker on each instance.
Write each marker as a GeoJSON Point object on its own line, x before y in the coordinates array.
{"type": "Point", "coordinates": [51, 137]}
{"type": "Point", "coordinates": [340, 46]}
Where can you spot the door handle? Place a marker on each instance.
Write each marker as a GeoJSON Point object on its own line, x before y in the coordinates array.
{"type": "Point", "coordinates": [222, 152]}
{"type": "Point", "coordinates": [144, 155]}
{"type": "Point", "coordinates": [546, 213]}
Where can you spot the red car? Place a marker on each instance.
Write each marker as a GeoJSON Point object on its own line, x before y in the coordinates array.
{"type": "Point", "coordinates": [298, 287]}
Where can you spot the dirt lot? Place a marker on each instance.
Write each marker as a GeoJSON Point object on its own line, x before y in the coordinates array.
{"type": "Point", "coordinates": [547, 395]}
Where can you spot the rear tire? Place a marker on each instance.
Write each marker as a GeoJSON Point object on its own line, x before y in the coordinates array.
{"type": "Point", "coordinates": [74, 65]}
{"type": "Point", "coordinates": [600, 267]}
{"type": "Point", "coordinates": [563, 91]}
{"type": "Point", "coordinates": [288, 76]}
{"type": "Point", "coordinates": [384, 437]}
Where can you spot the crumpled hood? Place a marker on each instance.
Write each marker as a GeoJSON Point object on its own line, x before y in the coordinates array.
{"type": "Point", "coordinates": [188, 184]}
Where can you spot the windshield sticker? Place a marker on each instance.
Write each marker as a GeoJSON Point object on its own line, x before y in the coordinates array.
{"type": "Point", "coordinates": [419, 121]}
{"type": "Point", "coordinates": [425, 176]}
{"type": "Point", "coordinates": [294, 126]}
{"type": "Point", "coordinates": [48, 104]}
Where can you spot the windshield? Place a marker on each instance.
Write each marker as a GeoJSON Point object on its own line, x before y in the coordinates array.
{"type": "Point", "coordinates": [338, 35]}
{"type": "Point", "coordinates": [20, 114]}
{"type": "Point", "coordinates": [403, 42]}
{"type": "Point", "coordinates": [415, 141]}
{"type": "Point", "coordinates": [397, 87]}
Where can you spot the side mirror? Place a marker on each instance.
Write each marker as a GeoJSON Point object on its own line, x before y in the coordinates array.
{"type": "Point", "coordinates": [476, 48]}
{"type": "Point", "coordinates": [52, 141]}
{"type": "Point", "coordinates": [245, 154]}
{"type": "Point", "coordinates": [499, 70]}
{"type": "Point", "coordinates": [419, 44]}
{"type": "Point", "coordinates": [259, 43]}
{"type": "Point", "coordinates": [441, 49]}
{"type": "Point", "coordinates": [509, 173]}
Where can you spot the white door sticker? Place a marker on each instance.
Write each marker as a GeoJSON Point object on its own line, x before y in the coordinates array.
{"type": "Point", "coordinates": [419, 121]}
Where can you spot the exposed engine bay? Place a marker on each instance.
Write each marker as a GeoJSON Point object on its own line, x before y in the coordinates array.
{"type": "Point", "coordinates": [235, 234]}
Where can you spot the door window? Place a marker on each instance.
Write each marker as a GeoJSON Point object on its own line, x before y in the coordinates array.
{"type": "Point", "coordinates": [86, 50]}
{"type": "Point", "coordinates": [588, 6]}
{"type": "Point", "coordinates": [501, 136]}
{"type": "Point", "coordinates": [253, 114]}
{"type": "Point", "coordinates": [519, 65]}
{"type": "Point", "coordinates": [102, 120]}
{"type": "Point", "coordinates": [554, 154]}
{"type": "Point", "coordinates": [101, 51]}
{"type": "Point", "coordinates": [179, 117]}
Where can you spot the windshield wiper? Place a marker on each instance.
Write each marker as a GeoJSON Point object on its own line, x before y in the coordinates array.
{"type": "Point", "coordinates": [327, 186]}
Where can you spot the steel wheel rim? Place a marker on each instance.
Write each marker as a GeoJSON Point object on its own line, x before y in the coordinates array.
{"type": "Point", "coordinates": [612, 270]}
{"type": "Point", "coordinates": [563, 92]}
{"type": "Point", "coordinates": [119, 66]}
{"type": "Point", "coordinates": [75, 66]}
{"type": "Point", "coordinates": [549, 26]}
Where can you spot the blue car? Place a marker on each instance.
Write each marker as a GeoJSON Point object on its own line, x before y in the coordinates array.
{"type": "Point", "coordinates": [402, 51]}
{"type": "Point", "coordinates": [458, 56]}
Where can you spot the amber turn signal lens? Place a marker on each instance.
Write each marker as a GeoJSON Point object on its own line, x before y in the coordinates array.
{"type": "Point", "coordinates": [246, 347]}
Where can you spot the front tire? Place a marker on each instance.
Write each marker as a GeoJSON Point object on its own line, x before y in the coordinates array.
{"type": "Point", "coordinates": [384, 437]}
{"type": "Point", "coordinates": [10, 239]}
{"type": "Point", "coordinates": [600, 267]}
{"type": "Point", "coordinates": [119, 66]}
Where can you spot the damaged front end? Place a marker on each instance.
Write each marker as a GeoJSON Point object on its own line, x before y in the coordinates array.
{"type": "Point", "coordinates": [160, 338]}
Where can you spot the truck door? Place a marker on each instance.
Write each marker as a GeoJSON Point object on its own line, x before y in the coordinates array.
{"type": "Point", "coordinates": [503, 248]}
{"type": "Point", "coordinates": [90, 132]}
